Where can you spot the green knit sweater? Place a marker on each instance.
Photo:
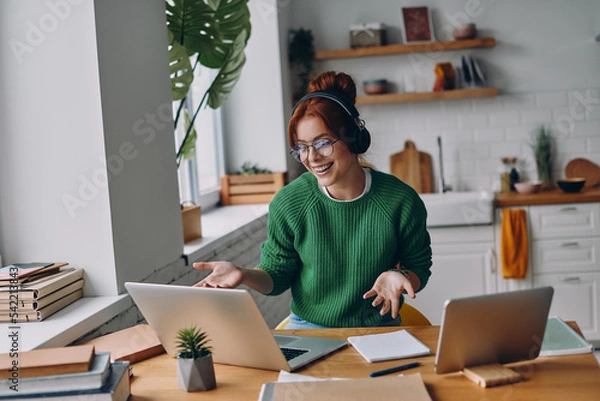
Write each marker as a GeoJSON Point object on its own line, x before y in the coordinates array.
{"type": "Point", "coordinates": [330, 253]}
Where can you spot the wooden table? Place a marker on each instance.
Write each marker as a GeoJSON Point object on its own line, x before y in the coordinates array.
{"type": "Point", "coordinates": [573, 377]}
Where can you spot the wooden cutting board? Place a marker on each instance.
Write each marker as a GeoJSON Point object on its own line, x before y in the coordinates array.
{"type": "Point", "coordinates": [413, 167]}
{"type": "Point", "coordinates": [583, 168]}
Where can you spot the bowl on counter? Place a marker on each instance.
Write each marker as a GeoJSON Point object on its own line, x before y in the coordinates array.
{"type": "Point", "coordinates": [375, 86]}
{"type": "Point", "coordinates": [529, 187]}
{"type": "Point", "coordinates": [571, 184]}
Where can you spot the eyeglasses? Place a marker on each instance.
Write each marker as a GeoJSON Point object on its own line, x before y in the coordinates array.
{"type": "Point", "coordinates": [323, 147]}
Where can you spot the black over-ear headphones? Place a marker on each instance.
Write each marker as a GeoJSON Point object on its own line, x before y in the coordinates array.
{"type": "Point", "coordinates": [358, 138]}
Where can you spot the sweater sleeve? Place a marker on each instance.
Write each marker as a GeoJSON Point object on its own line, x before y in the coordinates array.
{"type": "Point", "coordinates": [279, 257]}
{"type": "Point", "coordinates": [415, 248]}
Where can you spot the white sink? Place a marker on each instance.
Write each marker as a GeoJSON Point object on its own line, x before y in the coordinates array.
{"type": "Point", "coordinates": [459, 208]}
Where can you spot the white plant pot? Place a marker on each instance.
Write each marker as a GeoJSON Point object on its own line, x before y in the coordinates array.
{"type": "Point", "coordinates": [196, 374]}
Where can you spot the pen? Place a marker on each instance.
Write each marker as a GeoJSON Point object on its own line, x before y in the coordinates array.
{"type": "Point", "coordinates": [395, 369]}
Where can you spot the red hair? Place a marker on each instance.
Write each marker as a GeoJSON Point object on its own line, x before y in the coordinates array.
{"type": "Point", "coordinates": [329, 112]}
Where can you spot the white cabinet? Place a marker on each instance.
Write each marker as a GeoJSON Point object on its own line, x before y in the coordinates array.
{"type": "Point", "coordinates": [463, 265]}
{"type": "Point", "coordinates": [565, 220]}
{"type": "Point", "coordinates": [564, 243]}
{"type": "Point", "coordinates": [564, 246]}
{"type": "Point", "coordinates": [575, 298]}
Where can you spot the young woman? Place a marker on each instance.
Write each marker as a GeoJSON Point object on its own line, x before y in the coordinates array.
{"type": "Point", "coordinates": [348, 240]}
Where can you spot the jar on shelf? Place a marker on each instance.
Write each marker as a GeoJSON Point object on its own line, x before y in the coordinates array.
{"type": "Point", "coordinates": [504, 175]}
{"type": "Point", "coordinates": [513, 175]}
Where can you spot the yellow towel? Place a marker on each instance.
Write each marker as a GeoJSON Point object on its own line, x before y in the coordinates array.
{"type": "Point", "coordinates": [514, 245]}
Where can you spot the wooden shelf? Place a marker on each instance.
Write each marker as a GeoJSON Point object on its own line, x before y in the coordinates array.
{"type": "Point", "coordinates": [405, 48]}
{"type": "Point", "coordinates": [427, 96]}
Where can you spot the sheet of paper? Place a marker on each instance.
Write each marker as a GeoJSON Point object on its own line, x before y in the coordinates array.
{"type": "Point", "coordinates": [287, 377]}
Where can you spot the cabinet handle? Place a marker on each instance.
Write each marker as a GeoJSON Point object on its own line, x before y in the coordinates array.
{"type": "Point", "coordinates": [491, 258]}
{"type": "Point", "coordinates": [571, 279]}
{"type": "Point", "coordinates": [569, 244]}
{"type": "Point", "coordinates": [567, 209]}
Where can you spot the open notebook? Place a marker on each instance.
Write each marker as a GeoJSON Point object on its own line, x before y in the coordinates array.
{"type": "Point", "coordinates": [386, 346]}
{"type": "Point", "coordinates": [561, 339]}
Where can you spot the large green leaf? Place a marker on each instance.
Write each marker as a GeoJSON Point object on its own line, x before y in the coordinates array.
{"type": "Point", "coordinates": [229, 74]}
{"type": "Point", "coordinates": [216, 31]}
{"type": "Point", "coordinates": [193, 24]}
{"type": "Point", "coordinates": [233, 17]}
{"type": "Point", "coordinates": [180, 69]}
{"type": "Point", "coordinates": [187, 150]}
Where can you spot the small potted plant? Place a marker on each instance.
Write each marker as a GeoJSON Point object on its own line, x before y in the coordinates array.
{"type": "Point", "coordinates": [542, 144]}
{"type": "Point", "coordinates": [195, 369]}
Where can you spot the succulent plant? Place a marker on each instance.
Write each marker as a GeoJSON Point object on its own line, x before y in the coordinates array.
{"type": "Point", "coordinates": [192, 343]}
{"type": "Point", "coordinates": [252, 169]}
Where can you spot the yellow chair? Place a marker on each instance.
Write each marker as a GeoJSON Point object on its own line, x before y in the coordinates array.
{"type": "Point", "coordinates": [410, 317]}
{"type": "Point", "coordinates": [283, 323]}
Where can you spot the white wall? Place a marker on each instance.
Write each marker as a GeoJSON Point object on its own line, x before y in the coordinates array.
{"type": "Point", "coordinates": [542, 45]}
{"type": "Point", "coordinates": [77, 96]}
{"type": "Point", "coordinates": [545, 65]}
{"type": "Point", "coordinates": [253, 116]}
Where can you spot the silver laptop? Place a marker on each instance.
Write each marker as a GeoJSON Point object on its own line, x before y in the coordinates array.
{"type": "Point", "coordinates": [496, 328]}
{"type": "Point", "coordinates": [237, 330]}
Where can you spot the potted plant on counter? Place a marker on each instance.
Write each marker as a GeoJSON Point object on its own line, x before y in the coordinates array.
{"type": "Point", "coordinates": [542, 145]}
{"type": "Point", "coordinates": [195, 368]}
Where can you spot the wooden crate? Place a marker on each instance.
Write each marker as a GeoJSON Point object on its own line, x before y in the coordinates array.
{"type": "Point", "coordinates": [247, 189]}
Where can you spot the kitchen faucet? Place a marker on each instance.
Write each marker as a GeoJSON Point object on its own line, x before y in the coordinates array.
{"type": "Point", "coordinates": [443, 187]}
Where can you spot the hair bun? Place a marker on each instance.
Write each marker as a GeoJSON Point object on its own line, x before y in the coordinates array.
{"type": "Point", "coordinates": [334, 81]}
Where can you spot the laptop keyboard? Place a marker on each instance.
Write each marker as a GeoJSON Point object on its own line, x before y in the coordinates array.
{"type": "Point", "coordinates": [291, 353]}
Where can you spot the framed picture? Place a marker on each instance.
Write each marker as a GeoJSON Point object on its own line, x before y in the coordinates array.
{"type": "Point", "coordinates": [416, 25]}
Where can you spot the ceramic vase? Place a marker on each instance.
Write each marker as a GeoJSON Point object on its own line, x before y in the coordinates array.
{"type": "Point", "coordinates": [196, 374]}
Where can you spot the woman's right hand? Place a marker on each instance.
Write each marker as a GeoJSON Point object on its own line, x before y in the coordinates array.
{"type": "Point", "coordinates": [224, 275]}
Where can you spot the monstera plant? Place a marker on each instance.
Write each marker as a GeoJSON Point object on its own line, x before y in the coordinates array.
{"type": "Point", "coordinates": [211, 33]}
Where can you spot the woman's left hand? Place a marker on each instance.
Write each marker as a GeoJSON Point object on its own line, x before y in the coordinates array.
{"type": "Point", "coordinates": [387, 290]}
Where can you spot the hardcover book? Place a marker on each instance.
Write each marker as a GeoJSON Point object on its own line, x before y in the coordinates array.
{"type": "Point", "coordinates": [117, 387]}
{"type": "Point", "coordinates": [47, 361]}
{"type": "Point", "coordinates": [407, 387]}
{"type": "Point", "coordinates": [14, 315]}
{"type": "Point", "coordinates": [25, 271]}
{"type": "Point", "coordinates": [29, 305]}
{"type": "Point", "coordinates": [92, 379]}
{"type": "Point", "coordinates": [42, 286]}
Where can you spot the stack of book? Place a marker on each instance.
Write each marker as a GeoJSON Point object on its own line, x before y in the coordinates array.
{"type": "Point", "coordinates": [68, 373]}
{"type": "Point", "coordinates": [33, 291]}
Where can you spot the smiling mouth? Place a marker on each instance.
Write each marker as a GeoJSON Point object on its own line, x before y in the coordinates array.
{"type": "Point", "coordinates": [321, 169]}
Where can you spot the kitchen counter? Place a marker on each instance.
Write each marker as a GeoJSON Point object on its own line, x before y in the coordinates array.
{"type": "Point", "coordinates": [549, 197]}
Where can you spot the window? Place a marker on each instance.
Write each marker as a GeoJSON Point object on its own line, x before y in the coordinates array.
{"type": "Point", "coordinates": [199, 176]}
